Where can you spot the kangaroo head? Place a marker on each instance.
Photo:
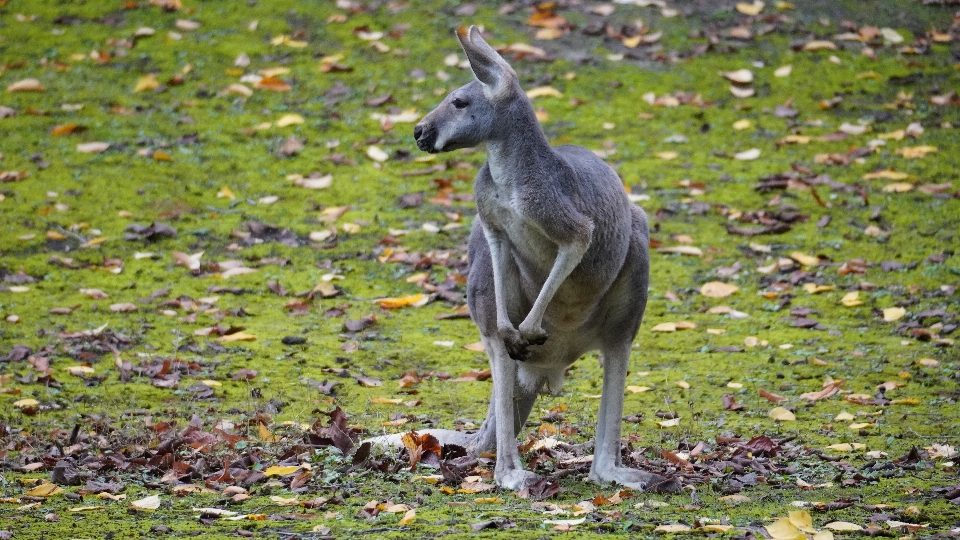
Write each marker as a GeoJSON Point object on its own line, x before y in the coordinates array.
{"type": "Point", "coordinates": [468, 115]}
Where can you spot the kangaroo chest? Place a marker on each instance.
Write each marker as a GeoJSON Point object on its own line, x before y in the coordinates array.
{"type": "Point", "coordinates": [504, 213]}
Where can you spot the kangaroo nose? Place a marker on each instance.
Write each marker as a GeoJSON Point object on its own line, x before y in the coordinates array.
{"type": "Point", "coordinates": [417, 131]}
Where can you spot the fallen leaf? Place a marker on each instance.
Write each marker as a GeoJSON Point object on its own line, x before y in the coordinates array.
{"type": "Point", "coordinates": [26, 85]}
{"type": "Point", "coordinates": [45, 489]}
{"type": "Point", "coordinates": [781, 414]}
{"type": "Point", "coordinates": [92, 147]}
{"type": "Point", "coordinates": [747, 155]}
{"type": "Point", "coordinates": [843, 526]}
{"type": "Point", "coordinates": [893, 314]}
{"type": "Point", "coordinates": [278, 470]}
{"type": "Point", "coordinates": [543, 91]}
{"type": "Point", "coordinates": [415, 300]}
{"type": "Point", "coordinates": [718, 289]}
{"type": "Point", "coordinates": [147, 503]}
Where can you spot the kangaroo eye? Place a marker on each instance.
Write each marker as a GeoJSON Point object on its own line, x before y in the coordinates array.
{"type": "Point", "coordinates": [459, 103]}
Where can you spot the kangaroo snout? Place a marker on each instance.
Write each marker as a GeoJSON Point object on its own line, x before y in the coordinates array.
{"type": "Point", "coordinates": [426, 138]}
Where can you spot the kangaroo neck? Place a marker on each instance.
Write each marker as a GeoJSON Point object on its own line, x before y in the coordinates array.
{"type": "Point", "coordinates": [518, 145]}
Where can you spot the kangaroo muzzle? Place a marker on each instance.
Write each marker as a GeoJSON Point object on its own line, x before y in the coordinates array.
{"type": "Point", "coordinates": [426, 138]}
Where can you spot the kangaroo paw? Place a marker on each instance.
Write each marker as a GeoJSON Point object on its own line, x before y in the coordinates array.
{"type": "Point", "coordinates": [515, 343]}
{"type": "Point", "coordinates": [537, 336]}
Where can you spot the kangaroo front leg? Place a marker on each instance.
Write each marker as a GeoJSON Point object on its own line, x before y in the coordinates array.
{"type": "Point", "coordinates": [509, 472]}
{"type": "Point", "coordinates": [606, 459]}
{"type": "Point", "coordinates": [568, 257]}
{"type": "Point", "coordinates": [505, 282]}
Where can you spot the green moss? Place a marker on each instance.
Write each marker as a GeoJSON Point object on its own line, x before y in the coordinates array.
{"type": "Point", "coordinates": [229, 153]}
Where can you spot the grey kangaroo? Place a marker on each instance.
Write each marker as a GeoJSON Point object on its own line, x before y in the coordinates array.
{"type": "Point", "coordinates": [559, 265]}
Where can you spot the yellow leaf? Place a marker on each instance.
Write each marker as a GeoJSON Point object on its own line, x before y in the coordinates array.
{"type": "Point", "coordinates": [45, 489]}
{"type": "Point", "coordinates": [664, 327]}
{"type": "Point", "coordinates": [673, 422]}
{"type": "Point", "coordinates": [543, 91]}
{"type": "Point", "coordinates": [147, 503]}
{"type": "Point", "coordinates": [813, 288]}
{"type": "Point", "coordinates": [898, 187]}
{"type": "Point", "coordinates": [753, 8]}
{"type": "Point", "coordinates": [85, 508]}
{"type": "Point", "coordinates": [843, 417]}
{"type": "Point", "coordinates": [804, 259]}
{"type": "Point", "coordinates": [160, 155]}
{"type": "Point", "coordinates": [740, 125]}
{"type": "Point", "coordinates": [716, 528]}
{"type": "Point", "coordinates": [782, 414]}
{"type": "Point", "coordinates": [851, 299]}
{"type": "Point", "coordinates": [26, 85]}
{"type": "Point", "coordinates": [893, 314]}
{"type": "Point", "coordinates": [415, 300]}
{"type": "Point", "coordinates": [747, 155]}
{"type": "Point", "coordinates": [861, 425]}
{"type": "Point", "coordinates": [667, 155]}
{"type": "Point", "coordinates": [279, 470]}
{"type": "Point", "coordinates": [718, 289]}
{"type": "Point", "coordinates": [916, 152]}
{"type": "Point", "coordinates": [80, 370]}
{"type": "Point", "coordinates": [285, 501]}
{"type": "Point", "coordinates": [488, 500]}
{"type": "Point", "coordinates": [795, 139]}
{"type": "Point", "coordinates": [783, 71]}
{"type": "Point", "coordinates": [26, 403]}
{"type": "Point", "coordinates": [801, 519]}
{"type": "Point", "coordinates": [673, 528]}
{"type": "Point", "coordinates": [386, 401]}
{"type": "Point", "coordinates": [265, 434]}
{"type": "Point", "coordinates": [683, 384]}
{"type": "Point", "coordinates": [886, 174]}
{"type": "Point", "coordinates": [409, 517]}
{"type": "Point", "coordinates": [638, 389]}
{"type": "Point", "coordinates": [783, 529]}
{"type": "Point", "coordinates": [237, 336]}
{"type": "Point", "coordinates": [147, 82]}
{"type": "Point", "coordinates": [819, 45]}
{"type": "Point", "coordinates": [843, 526]}
{"type": "Point", "coordinates": [823, 535]}
{"type": "Point", "coordinates": [847, 447]}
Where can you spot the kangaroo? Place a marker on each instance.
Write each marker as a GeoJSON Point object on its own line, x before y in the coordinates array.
{"type": "Point", "coordinates": [559, 265]}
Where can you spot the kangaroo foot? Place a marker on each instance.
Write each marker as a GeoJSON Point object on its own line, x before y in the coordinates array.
{"type": "Point", "coordinates": [636, 479]}
{"type": "Point", "coordinates": [516, 479]}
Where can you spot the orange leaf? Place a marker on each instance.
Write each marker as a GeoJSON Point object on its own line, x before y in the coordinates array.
{"type": "Point", "coordinates": [417, 300]}
{"type": "Point", "coordinates": [64, 129]}
{"type": "Point", "coordinates": [274, 84]}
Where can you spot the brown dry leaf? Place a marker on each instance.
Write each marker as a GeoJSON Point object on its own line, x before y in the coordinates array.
{"type": "Point", "coordinates": [829, 389]}
{"type": "Point", "coordinates": [718, 289]}
{"type": "Point", "coordinates": [770, 396]}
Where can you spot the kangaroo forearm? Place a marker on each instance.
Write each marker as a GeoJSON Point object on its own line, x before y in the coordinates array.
{"type": "Point", "coordinates": [568, 257]}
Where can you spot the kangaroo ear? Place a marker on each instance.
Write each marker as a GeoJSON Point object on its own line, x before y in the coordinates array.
{"type": "Point", "coordinates": [488, 66]}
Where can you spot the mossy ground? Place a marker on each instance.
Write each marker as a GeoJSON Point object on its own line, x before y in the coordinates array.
{"type": "Point", "coordinates": [79, 197]}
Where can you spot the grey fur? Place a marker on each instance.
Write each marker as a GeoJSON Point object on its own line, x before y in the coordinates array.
{"type": "Point", "coordinates": [559, 265]}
